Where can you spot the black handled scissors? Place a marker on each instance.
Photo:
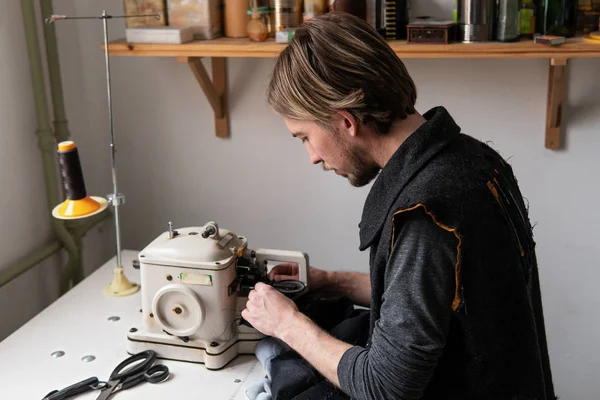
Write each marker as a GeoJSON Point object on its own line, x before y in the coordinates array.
{"type": "Point", "coordinates": [80, 387]}
{"type": "Point", "coordinates": [136, 369]}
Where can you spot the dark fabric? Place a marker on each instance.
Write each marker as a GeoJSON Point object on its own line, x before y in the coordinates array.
{"type": "Point", "coordinates": [495, 346]}
{"type": "Point", "coordinates": [292, 378]}
{"type": "Point", "coordinates": [325, 312]}
{"type": "Point", "coordinates": [324, 390]}
{"type": "Point", "coordinates": [414, 318]}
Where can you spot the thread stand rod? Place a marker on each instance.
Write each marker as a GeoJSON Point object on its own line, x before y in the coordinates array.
{"type": "Point", "coordinates": [116, 199]}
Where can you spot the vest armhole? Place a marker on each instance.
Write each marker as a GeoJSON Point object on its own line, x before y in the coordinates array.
{"type": "Point", "coordinates": [457, 298]}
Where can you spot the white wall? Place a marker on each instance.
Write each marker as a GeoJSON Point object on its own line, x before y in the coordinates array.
{"type": "Point", "coordinates": [24, 214]}
{"type": "Point", "coordinates": [260, 183]}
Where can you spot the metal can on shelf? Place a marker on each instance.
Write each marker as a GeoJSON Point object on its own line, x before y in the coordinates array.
{"type": "Point", "coordinates": [476, 20]}
{"type": "Point", "coordinates": [286, 13]}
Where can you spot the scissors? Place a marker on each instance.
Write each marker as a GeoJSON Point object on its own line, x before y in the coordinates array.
{"type": "Point", "coordinates": [136, 369]}
{"type": "Point", "coordinates": [80, 387]}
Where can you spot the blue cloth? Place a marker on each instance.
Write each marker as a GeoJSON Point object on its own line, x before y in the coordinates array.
{"type": "Point", "coordinates": [266, 350]}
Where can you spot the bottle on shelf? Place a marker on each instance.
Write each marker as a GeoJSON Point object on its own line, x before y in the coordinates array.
{"type": "Point", "coordinates": [560, 17]}
{"type": "Point", "coordinates": [257, 29]}
{"type": "Point", "coordinates": [507, 25]}
{"type": "Point", "coordinates": [527, 19]}
{"type": "Point", "coordinates": [540, 12]}
{"type": "Point", "coordinates": [380, 17]}
{"type": "Point", "coordinates": [455, 12]}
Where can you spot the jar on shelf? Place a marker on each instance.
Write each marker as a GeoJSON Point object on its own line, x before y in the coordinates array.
{"type": "Point", "coordinates": [236, 18]}
{"type": "Point", "coordinates": [265, 15]}
{"type": "Point", "coordinates": [257, 30]}
{"type": "Point", "coordinates": [286, 14]}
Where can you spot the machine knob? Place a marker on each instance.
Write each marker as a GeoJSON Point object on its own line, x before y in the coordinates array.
{"type": "Point", "coordinates": [209, 231]}
{"type": "Point", "coordinates": [178, 310]}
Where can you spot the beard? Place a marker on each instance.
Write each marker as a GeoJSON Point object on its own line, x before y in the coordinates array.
{"type": "Point", "coordinates": [361, 170]}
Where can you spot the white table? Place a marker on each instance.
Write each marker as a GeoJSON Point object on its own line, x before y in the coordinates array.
{"type": "Point", "coordinates": [78, 324]}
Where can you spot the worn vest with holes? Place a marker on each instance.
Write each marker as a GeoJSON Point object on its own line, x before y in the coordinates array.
{"type": "Point", "coordinates": [496, 346]}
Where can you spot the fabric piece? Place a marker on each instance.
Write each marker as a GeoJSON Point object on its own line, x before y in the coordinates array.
{"type": "Point", "coordinates": [293, 378]}
{"type": "Point", "coordinates": [265, 351]}
{"type": "Point", "coordinates": [259, 390]}
{"type": "Point", "coordinates": [288, 375]}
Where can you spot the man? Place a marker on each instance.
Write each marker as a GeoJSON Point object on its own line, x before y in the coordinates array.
{"type": "Point", "coordinates": [453, 289]}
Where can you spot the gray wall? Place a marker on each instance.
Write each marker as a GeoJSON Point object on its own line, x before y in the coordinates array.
{"type": "Point", "coordinates": [24, 214]}
{"type": "Point", "coordinates": [260, 183]}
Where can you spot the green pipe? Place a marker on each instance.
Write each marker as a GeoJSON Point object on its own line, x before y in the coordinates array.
{"type": "Point", "coordinates": [79, 228]}
{"type": "Point", "coordinates": [29, 262]}
{"type": "Point", "coordinates": [46, 140]}
{"type": "Point", "coordinates": [82, 226]}
{"type": "Point", "coordinates": [69, 234]}
{"type": "Point", "coordinates": [73, 272]}
{"type": "Point", "coordinates": [61, 129]}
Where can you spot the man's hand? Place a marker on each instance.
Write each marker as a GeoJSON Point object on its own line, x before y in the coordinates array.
{"type": "Point", "coordinates": [273, 314]}
{"type": "Point", "coordinates": [268, 310]}
{"type": "Point", "coordinates": [318, 279]}
{"type": "Point", "coordinates": [355, 285]}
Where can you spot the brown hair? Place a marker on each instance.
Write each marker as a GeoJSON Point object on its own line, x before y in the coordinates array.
{"type": "Point", "coordinates": [339, 62]}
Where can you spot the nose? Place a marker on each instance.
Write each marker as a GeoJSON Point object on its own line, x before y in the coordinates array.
{"type": "Point", "coordinates": [314, 157]}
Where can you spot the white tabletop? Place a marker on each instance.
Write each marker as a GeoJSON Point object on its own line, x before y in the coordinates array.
{"type": "Point", "coordinates": [78, 324]}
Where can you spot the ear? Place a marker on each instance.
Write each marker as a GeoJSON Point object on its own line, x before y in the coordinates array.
{"type": "Point", "coordinates": [346, 123]}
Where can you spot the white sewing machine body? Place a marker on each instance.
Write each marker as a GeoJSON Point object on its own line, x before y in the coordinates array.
{"type": "Point", "coordinates": [195, 283]}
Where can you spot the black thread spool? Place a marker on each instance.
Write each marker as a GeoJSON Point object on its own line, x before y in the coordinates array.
{"type": "Point", "coordinates": [78, 204]}
{"type": "Point", "coordinates": [71, 172]}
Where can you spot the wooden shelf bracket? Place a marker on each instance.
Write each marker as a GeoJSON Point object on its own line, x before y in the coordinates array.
{"type": "Point", "coordinates": [556, 84]}
{"type": "Point", "coordinates": [215, 90]}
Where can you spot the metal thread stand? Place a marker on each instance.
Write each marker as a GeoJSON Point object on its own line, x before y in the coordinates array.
{"type": "Point", "coordinates": [115, 198]}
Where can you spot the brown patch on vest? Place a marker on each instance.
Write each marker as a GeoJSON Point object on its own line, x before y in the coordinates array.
{"type": "Point", "coordinates": [457, 299]}
{"type": "Point", "coordinates": [494, 189]}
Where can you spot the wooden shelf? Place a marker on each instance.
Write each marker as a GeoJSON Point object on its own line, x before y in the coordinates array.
{"type": "Point", "coordinates": [222, 48]}
{"type": "Point", "coordinates": [226, 47]}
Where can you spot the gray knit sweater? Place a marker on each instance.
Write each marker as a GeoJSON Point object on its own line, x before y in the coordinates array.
{"type": "Point", "coordinates": [415, 315]}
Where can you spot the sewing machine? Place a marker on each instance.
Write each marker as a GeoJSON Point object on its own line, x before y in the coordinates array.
{"type": "Point", "coordinates": [195, 282]}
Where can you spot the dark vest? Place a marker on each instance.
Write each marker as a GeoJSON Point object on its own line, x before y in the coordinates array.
{"type": "Point", "coordinates": [496, 346]}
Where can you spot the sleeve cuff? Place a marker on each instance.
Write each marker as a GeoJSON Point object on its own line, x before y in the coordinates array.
{"type": "Point", "coordinates": [346, 366]}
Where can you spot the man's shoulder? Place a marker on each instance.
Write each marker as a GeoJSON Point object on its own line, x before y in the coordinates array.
{"type": "Point", "coordinates": [457, 180]}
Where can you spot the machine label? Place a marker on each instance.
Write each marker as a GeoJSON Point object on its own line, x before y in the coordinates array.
{"type": "Point", "coordinates": [195, 279]}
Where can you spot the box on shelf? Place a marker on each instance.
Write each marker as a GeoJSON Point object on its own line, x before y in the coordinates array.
{"type": "Point", "coordinates": [550, 40]}
{"type": "Point", "coordinates": [145, 7]}
{"type": "Point", "coordinates": [165, 34]}
{"type": "Point", "coordinates": [431, 31]}
{"type": "Point", "coordinates": [285, 35]}
{"type": "Point", "coordinates": [203, 16]}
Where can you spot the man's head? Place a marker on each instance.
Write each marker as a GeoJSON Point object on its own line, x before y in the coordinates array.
{"type": "Point", "coordinates": [335, 84]}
